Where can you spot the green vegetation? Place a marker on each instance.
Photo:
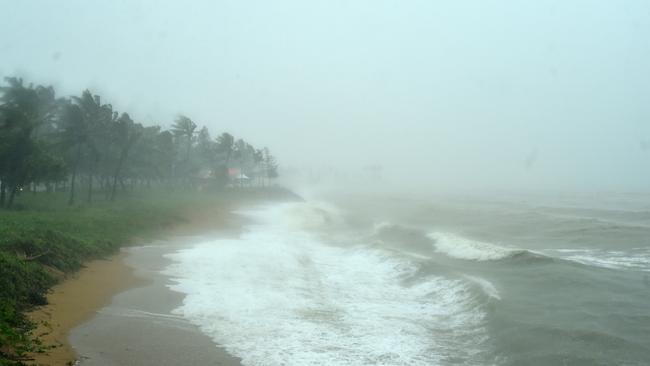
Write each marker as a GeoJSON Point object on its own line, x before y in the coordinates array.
{"type": "Point", "coordinates": [60, 144]}
{"type": "Point", "coordinates": [47, 239]}
{"type": "Point", "coordinates": [63, 163]}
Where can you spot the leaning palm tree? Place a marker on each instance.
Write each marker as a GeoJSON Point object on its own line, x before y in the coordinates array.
{"type": "Point", "coordinates": [125, 133]}
{"type": "Point", "coordinates": [185, 127]}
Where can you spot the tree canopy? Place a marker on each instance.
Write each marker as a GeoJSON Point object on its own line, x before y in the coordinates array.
{"type": "Point", "coordinates": [82, 144]}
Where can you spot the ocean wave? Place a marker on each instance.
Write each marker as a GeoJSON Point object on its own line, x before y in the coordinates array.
{"type": "Point", "coordinates": [280, 296]}
{"type": "Point", "coordinates": [402, 235]}
{"type": "Point", "coordinates": [403, 240]}
{"type": "Point", "coordinates": [297, 215]}
{"type": "Point", "coordinates": [463, 248]}
{"type": "Point", "coordinates": [598, 347]}
{"type": "Point", "coordinates": [387, 228]}
{"type": "Point", "coordinates": [486, 286]}
{"type": "Point", "coordinates": [635, 258]}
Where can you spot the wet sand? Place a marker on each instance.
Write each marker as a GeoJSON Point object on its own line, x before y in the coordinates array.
{"type": "Point", "coordinates": [117, 311]}
{"type": "Point", "coordinates": [75, 300]}
{"type": "Point", "coordinates": [138, 327]}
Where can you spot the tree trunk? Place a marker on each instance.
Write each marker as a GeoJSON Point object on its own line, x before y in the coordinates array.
{"type": "Point", "coordinates": [107, 187]}
{"type": "Point", "coordinates": [90, 188]}
{"type": "Point", "coordinates": [12, 195]}
{"type": "Point", "coordinates": [115, 178]}
{"type": "Point", "coordinates": [117, 174]}
{"type": "Point", "coordinates": [189, 147]}
{"type": "Point", "coordinates": [89, 199]}
{"type": "Point", "coordinates": [3, 193]}
{"type": "Point", "coordinates": [74, 175]}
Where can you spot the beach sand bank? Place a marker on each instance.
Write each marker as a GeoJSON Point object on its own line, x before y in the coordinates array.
{"type": "Point", "coordinates": [117, 311]}
{"type": "Point", "coordinates": [76, 300]}
{"type": "Point", "coordinates": [138, 328]}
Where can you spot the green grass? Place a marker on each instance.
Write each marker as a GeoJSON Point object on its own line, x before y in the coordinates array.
{"type": "Point", "coordinates": [43, 238]}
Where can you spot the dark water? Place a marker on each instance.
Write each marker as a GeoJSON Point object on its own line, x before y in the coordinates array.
{"type": "Point", "coordinates": [563, 281]}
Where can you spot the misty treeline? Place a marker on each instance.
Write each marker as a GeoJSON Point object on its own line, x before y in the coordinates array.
{"type": "Point", "coordinates": [85, 147]}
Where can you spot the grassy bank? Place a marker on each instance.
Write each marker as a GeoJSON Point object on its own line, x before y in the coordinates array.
{"type": "Point", "coordinates": [43, 240]}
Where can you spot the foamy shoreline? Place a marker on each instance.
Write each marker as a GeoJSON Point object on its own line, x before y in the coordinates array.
{"type": "Point", "coordinates": [138, 328]}
{"type": "Point", "coordinates": [106, 314]}
{"type": "Point", "coordinates": [76, 316]}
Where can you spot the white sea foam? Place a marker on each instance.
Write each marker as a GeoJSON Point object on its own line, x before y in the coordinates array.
{"type": "Point", "coordinates": [297, 216]}
{"type": "Point", "coordinates": [463, 248]}
{"type": "Point", "coordinates": [487, 286]}
{"type": "Point", "coordinates": [279, 296]}
{"type": "Point", "coordinates": [635, 258]}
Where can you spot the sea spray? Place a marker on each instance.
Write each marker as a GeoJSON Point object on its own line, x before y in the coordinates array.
{"type": "Point", "coordinates": [280, 295]}
{"type": "Point", "coordinates": [463, 248]}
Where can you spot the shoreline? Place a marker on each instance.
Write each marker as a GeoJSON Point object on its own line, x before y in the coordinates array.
{"type": "Point", "coordinates": [76, 300]}
{"type": "Point", "coordinates": [81, 296]}
{"type": "Point", "coordinates": [76, 306]}
{"type": "Point", "coordinates": [138, 326]}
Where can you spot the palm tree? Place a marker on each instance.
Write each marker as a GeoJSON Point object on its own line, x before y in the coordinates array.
{"type": "Point", "coordinates": [107, 147]}
{"type": "Point", "coordinates": [270, 164]}
{"type": "Point", "coordinates": [75, 134]}
{"type": "Point", "coordinates": [147, 159]}
{"type": "Point", "coordinates": [204, 145]}
{"type": "Point", "coordinates": [225, 144]}
{"type": "Point", "coordinates": [96, 117]}
{"type": "Point", "coordinates": [239, 153]}
{"type": "Point", "coordinates": [185, 127]}
{"type": "Point", "coordinates": [258, 158]}
{"type": "Point", "coordinates": [167, 154]}
{"type": "Point", "coordinates": [24, 110]}
{"type": "Point", "coordinates": [126, 133]}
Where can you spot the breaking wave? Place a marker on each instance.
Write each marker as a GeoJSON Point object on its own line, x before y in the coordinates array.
{"type": "Point", "coordinates": [279, 295]}
{"type": "Point", "coordinates": [463, 248]}
{"type": "Point", "coordinates": [630, 259]}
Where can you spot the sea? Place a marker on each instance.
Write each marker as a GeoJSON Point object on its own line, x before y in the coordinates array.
{"type": "Point", "coordinates": [381, 279]}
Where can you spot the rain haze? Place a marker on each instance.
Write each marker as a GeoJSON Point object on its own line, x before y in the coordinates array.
{"type": "Point", "coordinates": [465, 94]}
{"type": "Point", "coordinates": [337, 183]}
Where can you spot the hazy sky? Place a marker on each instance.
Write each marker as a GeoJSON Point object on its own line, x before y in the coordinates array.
{"type": "Point", "coordinates": [542, 94]}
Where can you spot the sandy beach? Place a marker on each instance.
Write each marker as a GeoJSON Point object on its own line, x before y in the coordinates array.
{"type": "Point", "coordinates": [76, 300]}
{"type": "Point", "coordinates": [117, 311]}
{"type": "Point", "coordinates": [138, 328]}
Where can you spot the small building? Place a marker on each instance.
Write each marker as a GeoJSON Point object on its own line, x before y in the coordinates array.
{"type": "Point", "coordinates": [237, 178]}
